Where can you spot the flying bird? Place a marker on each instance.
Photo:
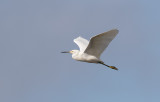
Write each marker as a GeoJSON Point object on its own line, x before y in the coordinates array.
{"type": "Point", "coordinates": [90, 51]}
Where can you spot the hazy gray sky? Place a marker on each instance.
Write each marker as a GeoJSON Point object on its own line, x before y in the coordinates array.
{"type": "Point", "coordinates": [34, 32]}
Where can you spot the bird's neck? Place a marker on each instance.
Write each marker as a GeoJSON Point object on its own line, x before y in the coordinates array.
{"type": "Point", "coordinates": [75, 55]}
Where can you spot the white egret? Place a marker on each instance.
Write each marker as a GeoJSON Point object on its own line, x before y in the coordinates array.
{"type": "Point", "coordinates": [90, 51]}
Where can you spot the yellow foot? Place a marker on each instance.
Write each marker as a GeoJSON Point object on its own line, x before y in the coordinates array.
{"type": "Point", "coordinates": [113, 67]}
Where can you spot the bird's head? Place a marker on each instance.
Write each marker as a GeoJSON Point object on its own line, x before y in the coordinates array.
{"type": "Point", "coordinates": [72, 51]}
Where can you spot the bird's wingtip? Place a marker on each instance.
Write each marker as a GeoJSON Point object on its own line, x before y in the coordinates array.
{"type": "Point", "coordinates": [78, 37]}
{"type": "Point", "coordinates": [115, 29]}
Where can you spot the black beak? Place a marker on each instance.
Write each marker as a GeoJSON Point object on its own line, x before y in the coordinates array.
{"type": "Point", "coordinates": [65, 52]}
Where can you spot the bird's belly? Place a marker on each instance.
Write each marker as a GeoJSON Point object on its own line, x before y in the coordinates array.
{"type": "Point", "coordinates": [87, 58]}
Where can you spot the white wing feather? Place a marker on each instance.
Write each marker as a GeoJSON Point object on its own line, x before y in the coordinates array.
{"type": "Point", "coordinates": [82, 43]}
{"type": "Point", "coordinates": [99, 42]}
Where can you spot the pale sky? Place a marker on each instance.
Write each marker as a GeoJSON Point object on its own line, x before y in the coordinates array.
{"type": "Point", "coordinates": [34, 32]}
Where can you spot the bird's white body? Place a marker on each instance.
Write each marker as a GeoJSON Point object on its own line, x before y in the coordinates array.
{"type": "Point", "coordinates": [84, 57]}
{"type": "Point", "coordinates": [90, 51]}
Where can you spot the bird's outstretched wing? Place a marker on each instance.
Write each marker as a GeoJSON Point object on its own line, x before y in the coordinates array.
{"type": "Point", "coordinates": [82, 43]}
{"type": "Point", "coordinates": [99, 42]}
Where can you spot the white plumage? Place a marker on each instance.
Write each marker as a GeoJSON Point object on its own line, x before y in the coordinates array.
{"type": "Point", "coordinates": [82, 43]}
{"type": "Point", "coordinates": [90, 51]}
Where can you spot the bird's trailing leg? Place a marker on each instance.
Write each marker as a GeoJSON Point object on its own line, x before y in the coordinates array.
{"type": "Point", "coordinates": [112, 67]}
